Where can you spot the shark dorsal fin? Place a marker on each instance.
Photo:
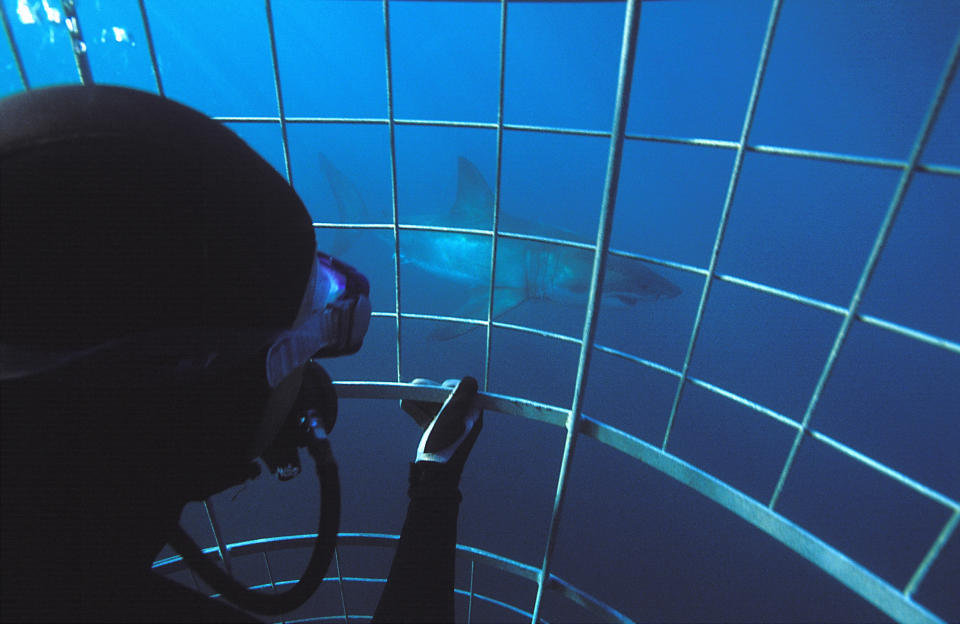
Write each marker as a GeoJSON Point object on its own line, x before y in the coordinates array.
{"type": "Point", "coordinates": [474, 203]}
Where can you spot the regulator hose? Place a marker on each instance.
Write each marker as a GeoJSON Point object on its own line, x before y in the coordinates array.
{"type": "Point", "coordinates": [328, 527]}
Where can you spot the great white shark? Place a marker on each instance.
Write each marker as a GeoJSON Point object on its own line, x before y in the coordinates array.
{"type": "Point", "coordinates": [526, 270]}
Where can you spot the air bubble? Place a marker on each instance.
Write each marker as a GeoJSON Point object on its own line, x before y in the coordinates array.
{"type": "Point", "coordinates": [116, 34]}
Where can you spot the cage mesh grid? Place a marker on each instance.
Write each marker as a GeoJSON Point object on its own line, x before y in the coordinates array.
{"type": "Point", "coordinates": [897, 602]}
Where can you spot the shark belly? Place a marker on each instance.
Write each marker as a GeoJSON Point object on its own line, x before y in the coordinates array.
{"type": "Point", "coordinates": [462, 258]}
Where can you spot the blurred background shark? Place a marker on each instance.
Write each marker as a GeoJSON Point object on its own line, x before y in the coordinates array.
{"type": "Point", "coordinates": [543, 269]}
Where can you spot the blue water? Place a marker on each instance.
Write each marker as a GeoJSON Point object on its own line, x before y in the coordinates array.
{"type": "Point", "coordinates": [851, 78]}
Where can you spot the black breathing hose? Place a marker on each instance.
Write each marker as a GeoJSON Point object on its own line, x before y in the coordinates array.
{"type": "Point", "coordinates": [328, 526]}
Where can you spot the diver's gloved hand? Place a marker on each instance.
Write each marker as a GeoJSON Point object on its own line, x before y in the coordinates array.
{"type": "Point", "coordinates": [452, 428]}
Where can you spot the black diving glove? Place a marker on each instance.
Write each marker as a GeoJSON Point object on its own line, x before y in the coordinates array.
{"type": "Point", "coordinates": [450, 429]}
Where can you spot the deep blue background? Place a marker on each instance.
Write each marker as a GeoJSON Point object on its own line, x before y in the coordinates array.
{"type": "Point", "coordinates": [849, 77]}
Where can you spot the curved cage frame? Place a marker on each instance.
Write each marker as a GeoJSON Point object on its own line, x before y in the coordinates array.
{"type": "Point", "coordinates": [597, 608]}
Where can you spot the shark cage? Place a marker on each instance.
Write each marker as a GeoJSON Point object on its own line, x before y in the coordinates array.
{"type": "Point", "coordinates": [701, 256]}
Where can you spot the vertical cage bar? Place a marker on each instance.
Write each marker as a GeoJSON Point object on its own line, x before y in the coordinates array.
{"type": "Point", "coordinates": [725, 214]}
{"type": "Point", "coordinates": [393, 180]}
{"type": "Point", "coordinates": [276, 85]}
{"type": "Point", "coordinates": [932, 554]}
{"type": "Point", "coordinates": [495, 237]}
{"type": "Point", "coordinates": [473, 565]}
{"type": "Point", "coordinates": [13, 48]}
{"type": "Point", "coordinates": [77, 44]}
{"type": "Point", "coordinates": [151, 48]}
{"type": "Point", "coordinates": [266, 564]}
{"type": "Point", "coordinates": [879, 243]}
{"type": "Point", "coordinates": [273, 584]}
{"type": "Point", "coordinates": [628, 47]}
{"type": "Point", "coordinates": [217, 536]}
{"type": "Point", "coordinates": [343, 597]}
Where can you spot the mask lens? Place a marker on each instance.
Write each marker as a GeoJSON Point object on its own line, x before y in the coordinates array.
{"type": "Point", "coordinates": [338, 322]}
{"type": "Point", "coordinates": [330, 283]}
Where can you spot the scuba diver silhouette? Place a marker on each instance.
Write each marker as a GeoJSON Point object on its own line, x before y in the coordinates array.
{"type": "Point", "coordinates": [162, 304]}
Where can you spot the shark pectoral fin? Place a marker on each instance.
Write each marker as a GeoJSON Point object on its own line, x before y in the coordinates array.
{"type": "Point", "coordinates": [505, 299]}
{"type": "Point", "coordinates": [474, 307]}
{"type": "Point", "coordinates": [449, 331]}
{"type": "Point", "coordinates": [350, 206]}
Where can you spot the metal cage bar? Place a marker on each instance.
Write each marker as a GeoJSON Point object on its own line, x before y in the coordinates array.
{"type": "Point", "coordinates": [14, 49]}
{"type": "Point", "coordinates": [821, 155]}
{"type": "Point", "coordinates": [881, 240]}
{"type": "Point", "coordinates": [217, 535]}
{"type": "Point", "coordinates": [77, 43]}
{"type": "Point", "coordinates": [154, 65]}
{"type": "Point", "coordinates": [628, 46]}
{"type": "Point", "coordinates": [935, 549]}
{"type": "Point", "coordinates": [269, 571]}
{"type": "Point", "coordinates": [896, 603]}
{"type": "Point", "coordinates": [602, 611]}
{"type": "Point", "coordinates": [279, 91]}
{"type": "Point", "coordinates": [494, 237]}
{"type": "Point", "coordinates": [725, 215]}
{"type": "Point", "coordinates": [473, 572]}
{"type": "Point", "coordinates": [393, 181]}
{"type": "Point", "coordinates": [897, 328]}
{"type": "Point", "coordinates": [340, 577]}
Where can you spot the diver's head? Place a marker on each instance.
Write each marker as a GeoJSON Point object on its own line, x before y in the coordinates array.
{"type": "Point", "coordinates": [152, 263]}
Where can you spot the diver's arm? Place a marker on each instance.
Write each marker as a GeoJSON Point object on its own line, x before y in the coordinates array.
{"type": "Point", "coordinates": [421, 582]}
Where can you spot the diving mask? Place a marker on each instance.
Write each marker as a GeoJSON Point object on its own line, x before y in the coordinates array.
{"type": "Point", "coordinates": [338, 318]}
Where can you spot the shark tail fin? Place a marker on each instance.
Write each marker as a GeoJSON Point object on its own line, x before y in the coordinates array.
{"type": "Point", "coordinates": [350, 206]}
